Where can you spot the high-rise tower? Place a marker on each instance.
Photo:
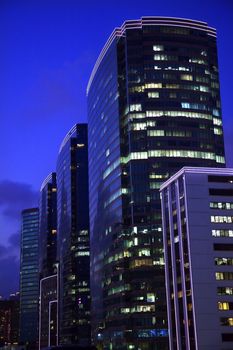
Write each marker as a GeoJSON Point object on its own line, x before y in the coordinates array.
{"type": "Point", "coordinates": [48, 308]}
{"type": "Point", "coordinates": [48, 226]}
{"type": "Point", "coordinates": [29, 277]}
{"type": "Point", "coordinates": [73, 238]}
{"type": "Point", "coordinates": [153, 107]}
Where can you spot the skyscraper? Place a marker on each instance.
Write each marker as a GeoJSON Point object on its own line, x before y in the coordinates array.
{"type": "Point", "coordinates": [29, 277]}
{"type": "Point", "coordinates": [73, 237]}
{"type": "Point", "coordinates": [197, 216]}
{"type": "Point", "coordinates": [48, 310]}
{"type": "Point", "coordinates": [153, 107]}
{"type": "Point", "coordinates": [48, 226]}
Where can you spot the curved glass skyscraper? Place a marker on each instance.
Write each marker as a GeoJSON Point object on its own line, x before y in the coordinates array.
{"type": "Point", "coordinates": [153, 107]}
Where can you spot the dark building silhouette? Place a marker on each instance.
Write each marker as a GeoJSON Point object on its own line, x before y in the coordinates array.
{"type": "Point", "coordinates": [73, 238]}
{"type": "Point", "coordinates": [48, 310]}
{"type": "Point", "coordinates": [9, 322]}
{"type": "Point", "coordinates": [29, 277]}
{"type": "Point", "coordinates": [153, 107]}
{"type": "Point", "coordinates": [48, 226]}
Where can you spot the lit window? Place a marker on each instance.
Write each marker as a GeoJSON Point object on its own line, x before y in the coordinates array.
{"type": "Point", "coordinates": [155, 133]}
{"type": "Point", "coordinates": [181, 153]}
{"type": "Point", "coordinates": [225, 290]}
{"type": "Point", "coordinates": [153, 86]}
{"type": "Point", "coordinates": [136, 116]}
{"type": "Point", "coordinates": [217, 121]}
{"type": "Point", "coordinates": [155, 185]}
{"type": "Point", "coordinates": [141, 262]}
{"type": "Point", "coordinates": [158, 48]}
{"type": "Point", "coordinates": [186, 114]}
{"type": "Point", "coordinates": [82, 254]}
{"type": "Point", "coordinates": [165, 58]}
{"type": "Point", "coordinates": [220, 276]}
{"type": "Point", "coordinates": [204, 53]}
{"type": "Point", "coordinates": [172, 86]}
{"type": "Point", "coordinates": [226, 321]}
{"type": "Point", "coordinates": [217, 131]}
{"type": "Point", "coordinates": [220, 159]}
{"type": "Point", "coordinates": [221, 205]}
{"type": "Point", "coordinates": [197, 60]}
{"type": "Point", "coordinates": [193, 105]}
{"type": "Point", "coordinates": [136, 89]}
{"type": "Point", "coordinates": [224, 261]}
{"type": "Point", "coordinates": [138, 126]}
{"type": "Point", "coordinates": [153, 94]}
{"type": "Point", "coordinates": [222, 233]}
{"type": "Point", "coordinates": [204, 88]}
{"type": "Point", "coordinates": [144, 252]}
{"type": "Point", "coordinates": [217, 114]}
{"type": "Point", "coordinates": [150, 297]}
{"type": "Point", "coordinates": [221, 219]}
{"type": "Point", "coordinates": [186, 77]}
{"type": "Point", "coordinates": [225, 305]}
{"type": "Point", "coordinates": [135, 108]}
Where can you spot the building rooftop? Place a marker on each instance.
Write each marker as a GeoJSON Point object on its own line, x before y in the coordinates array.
{"type": "Point", "coordinates": [197, 170]}
{"type": "Point", "coordinates": [149, 21]}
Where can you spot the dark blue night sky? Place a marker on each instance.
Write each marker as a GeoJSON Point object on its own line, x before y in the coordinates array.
{"type": "Point", "coordinates": [48, 49]}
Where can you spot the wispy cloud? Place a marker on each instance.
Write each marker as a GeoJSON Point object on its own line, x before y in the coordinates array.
{"type": "Point", "coordinates": [16, 196]}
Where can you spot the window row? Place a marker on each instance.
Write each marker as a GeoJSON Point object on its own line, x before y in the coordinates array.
{"type": "Point", "coordinates": [220, 276]}
{"type": "Point", "coordinates": [225, 305]}
{"type": "Point", "coordinates": [223, 261]}
{"type": "Point", "coordinates": [221, 205]}
{"type": "Point", "coordinates": [222, 219]}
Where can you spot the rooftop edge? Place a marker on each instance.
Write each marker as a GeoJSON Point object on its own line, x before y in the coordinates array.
{"type": "Point", "coordinates": [196, 170]}
{"type": "Point", "coordinates": [148, 20]}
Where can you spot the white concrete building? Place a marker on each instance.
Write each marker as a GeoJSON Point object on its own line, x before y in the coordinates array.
{"type": "Point", "coordinates": [197, 211]}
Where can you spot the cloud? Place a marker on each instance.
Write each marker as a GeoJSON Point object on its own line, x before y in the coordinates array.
{"type": "Point", "coordinates": [3, 251]}
{"type": "Point", "coordinates": [16, 196]}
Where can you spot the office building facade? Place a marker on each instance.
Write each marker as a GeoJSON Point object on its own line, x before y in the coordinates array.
{"type": "Point", "coordinates": [73, 238]}
{"type": "Point", "coordinates": [48, 266]}
{"type": "Point", "coordinates": [153, 107]}
{"type": "Point", "coordinates": [29, 277]}
{"type": "Point", "coordinates": [197, 210]}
